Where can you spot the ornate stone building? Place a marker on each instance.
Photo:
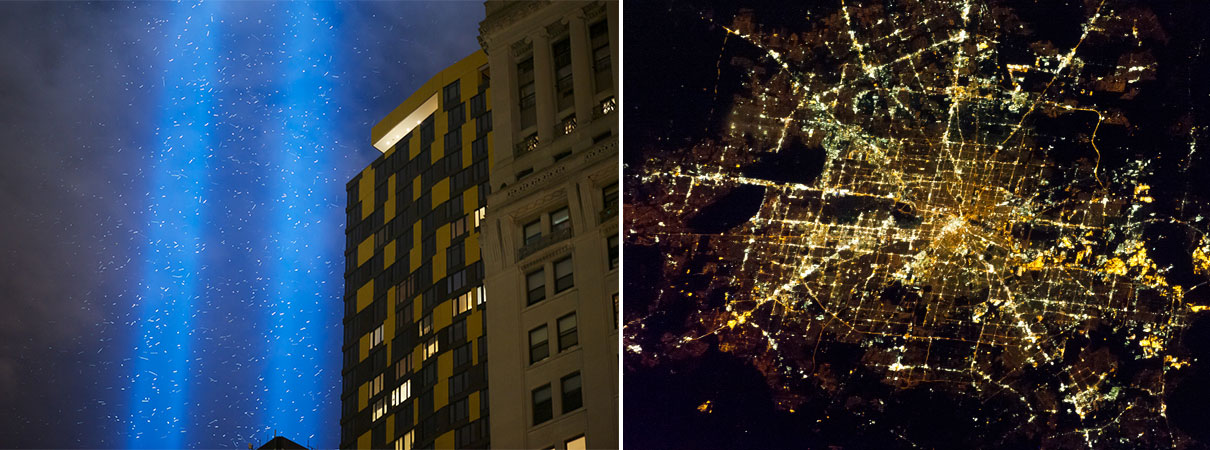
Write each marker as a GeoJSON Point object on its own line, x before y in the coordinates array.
{"type": "Point", "coordinates": [550, 238]}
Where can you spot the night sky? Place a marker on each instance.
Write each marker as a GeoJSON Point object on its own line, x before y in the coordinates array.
{"type": "Point", "coordinates": [172, 195]}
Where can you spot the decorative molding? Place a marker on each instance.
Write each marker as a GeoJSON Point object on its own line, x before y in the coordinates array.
{"type": "Point", "coordinates": [508, 15]}
{"type": "Point", "coordinates": [557, 29]}
{"type": "Point", "coordinates": [521, 47]}
{"type": "Point", "coordinates": [545, 255]}
{"type": "Point", "coordinates": [596, 9]}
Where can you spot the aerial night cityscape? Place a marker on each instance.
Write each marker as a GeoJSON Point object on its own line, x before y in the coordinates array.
{"type": "Point", "coordinates": [904, 224]}
{"type": "Point", "coordinates": [199, 254]}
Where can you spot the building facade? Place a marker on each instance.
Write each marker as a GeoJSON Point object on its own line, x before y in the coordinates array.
{"type": "Point", "coordinates": [415, 371]}
{"type": "Point", "coordinates": [550, 238]}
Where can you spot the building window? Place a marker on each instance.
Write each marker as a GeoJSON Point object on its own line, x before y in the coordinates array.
{"type": "Point", "coordinates": [610, 195]}
{"type": "Point", "coordinates": [403, 366]}
{"type": "Point", "coordinates": [455, 256]}
{"type": "Point", "coordinates": [567, 332]}
{"type": "Point", "coordinates": [615, 310]}
{"type": "Point", "coordinates": [431, 347]}
{"type": "Point", "coordinates": [462, 355]}
{"type": "Point", "coordinates": [426, 324]}
{"type": "Point", "coordinates": [458, 384]}
{"type": "Point", "coordinates": [543, 409]}
{"type": "Point", "coordinates": [561, 52]}
{"type": "Point", "coordinates": [533, 232]}
{"type": "Point", "coordinates": [563, 275]}
{"type": "Point", "coordinates": [380, 409]}
{"type": "Point", "coordinates": [376, 385]}
{"type": "Point", "coordinates": [462, 303]}
{"type": "Point", "coordinates": [405, 442]}
{"type": "Point", "coordinates": [613, 251]}
{"type": "Point", "coordinates": [576, 443]}
{"type": "Point", "coordinates": [525, 93]}
{"type": "Point", "coordinates": [483, 124]}
{"type": "Point", "coordinates": [452, 94]}
{"type": "Point", "coordinates": [453, 139]}
{"type": "Point", "coordinates": [535, 285]}
{"type": "Point", "coordinates": [458, 332]}
{"type": "Point", "coordinates": [560, 220]}
{"type": "Point", "coordinates": [598, 37]}
{"type": "Point", "coordinates": [572, 399]}
{"type": "Point", "coordinates": [480, 295]}
{"type": "Point", "coordinates": [538, 348]}
{"type": "Point", "coordinates": [402, 393]}
{"type": "Point", "coordinates": [457, 227]}
{"type": "Point", "coordinates": [459, 410]}
{"type": "Point", "coordinates": [376, 337]}
{"type": "Point", "coordinates": [479, 215]}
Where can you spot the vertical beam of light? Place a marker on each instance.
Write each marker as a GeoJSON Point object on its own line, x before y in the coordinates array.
{"type": "Point", "coordinates": [174, 231]}
{"type": "Point", "coordinates": [300, 380]}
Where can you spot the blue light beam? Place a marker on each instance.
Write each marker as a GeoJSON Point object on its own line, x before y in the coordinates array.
{"type": "Point", "coordinates": [174, 232]}
{"type": "Point", "coordinates": [300, 377]}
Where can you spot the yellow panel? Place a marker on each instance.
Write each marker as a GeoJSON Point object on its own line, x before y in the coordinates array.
{"type": "Point", "coordinates": [418, 356]}
{"type": "Point", "coordinates": [472, 248]}
{"type": "Point", "coordinates": [388, 255]}
{"type": "Point", "coordinates": [363, 396]}
{"type": "Point", "coordinates": [441, 392]}
{"type": "Point", "coordinates": [388, 209]}
{"type": "Point", "coordinates": [442, 314]}
{"type": "Point", "coordinates": [363, 441]}
{"type": "Point", "coordinates": [470, 199]}
{"type": "Point", "coordinates": [441, 191]}
{"type": "Point", "coordinates": [363, 346]}
{"type": "Point", "coordinates": [437, 150]}
{"type": "Point", "coordinates": [473, 404]}
{"type": "Point", "coordinates": [390, 426]}
{"type": "Point", "coordinates": [365, 295]}
{"type": "Point", "coordinates": [467, 157]}
{"type": "Point", "coordinates": [416, 188]}
{"type": "Point", "coordinates": [474, 325]}
{"type": "Point", "coordinates": [443, 242]}
{"type": "Point", "coordinates": [365, 250]}
{"type": "Point", "coordinates": [414, 255]}
{"type": "Point", "coordinates": [365, 192]}
{"type": "Point", "coordinates": [445, 441]}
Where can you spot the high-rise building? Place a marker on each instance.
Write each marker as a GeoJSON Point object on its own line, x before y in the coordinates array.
{"type": "Point", "coordinates": [551, 232]}
{"type": "Point", "coordinates": [415, 372]}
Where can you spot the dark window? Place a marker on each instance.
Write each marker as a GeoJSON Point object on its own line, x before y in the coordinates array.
{"type": "Point", "coordinates": [563, 275]}
{"type": "Point", "coordinates": [458, 332]}
{"type": "Point", "coordinates": [599, 39]}
{"type": "Point", "coordinates": [561, 52]}
{"type": "Point", "coordinates": [526, 93]}
{"type": "Point", "coordinates": [567, 332]}
{"type": "Point", "coordinates": [543, 409]}
{"type": "Point", "coordinates": [462, 355]}
{"type": "Point", "coordinates": [456, 116]}
{"type": "Point", "coordinates": [455, 255]}
{"type": "Point", "coordinates": [538, 348]}
{"type": "Point", "coordinates": [457, 384]}
{"type": "Point", "coordinates": [613, 251]}
{"type": "Point", "coordinates": [609, 194]}
{"type": "Point", "coordinates": [483, 124]}
{"type": "Point", "coordinates": [560, 220]}
{"type": "Point", "coordinates": [478, 104]}
{"type": "Point", "coordinates": [428, 133]}
{"type": "Point", "coordinates": [533, 232]}
{"type": "Point", "coordinates": [479, 149]}
{"type": "Point", "coordinates": [535, 286]}
{"type": "Point", "coordinates": [452, 94]}
{"type": "Point", "coordinates": [572, 399]}
{"type": "Point", "coordinates": [453, 141]}
{"type": "Point", "coordinates": [459, 410]}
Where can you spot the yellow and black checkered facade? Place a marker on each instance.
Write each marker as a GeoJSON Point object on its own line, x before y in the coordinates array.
{"type": "Point", "coordinates": [415, 369]}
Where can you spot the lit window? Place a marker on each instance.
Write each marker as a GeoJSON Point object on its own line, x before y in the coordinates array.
{"type": "Point", "coordinates": [543, 409]}
{"type": "Point", "coordinates": [563, 276]}
{"type": "Point", "coordinates": [535, 286]}
{"type": "Point", "coordinates": [426, 324]}
{"type": "Point", "coordinates": [380, 409]}
{"type": "Point", "coordinates": [431, 347]}
{"type": "Point", "coordinates": [533, 232]}
{"type": "Point", "coordinates": [567, 332]}
{"type": "Point", "coordinates": [458, 227]}
{"type": "Point", "coordinates": [376, 337]}
{"type": "Point", "coordinates": [402, 393]}
{"type": "Point", "coordinates": [560, 220]}
{"type": "Point", "coordinates": [462, 303]}
{"type": "Point", "coordinates": [538, 348]}
{"type": "Point", "coordinates": [403, 366]}
{"type": "Point", "coordinates": [479, 215]}
{"type": "Point", "coordinates": [405, 442]}
{"type": "Point", "coordinates": [376, 385]}
{"type": "Point", "coordinates": [481, 295]}
{"type": "Point", "coordinates": [572, 399]}
{"type": "Point", "coordinates": [576, 443]}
